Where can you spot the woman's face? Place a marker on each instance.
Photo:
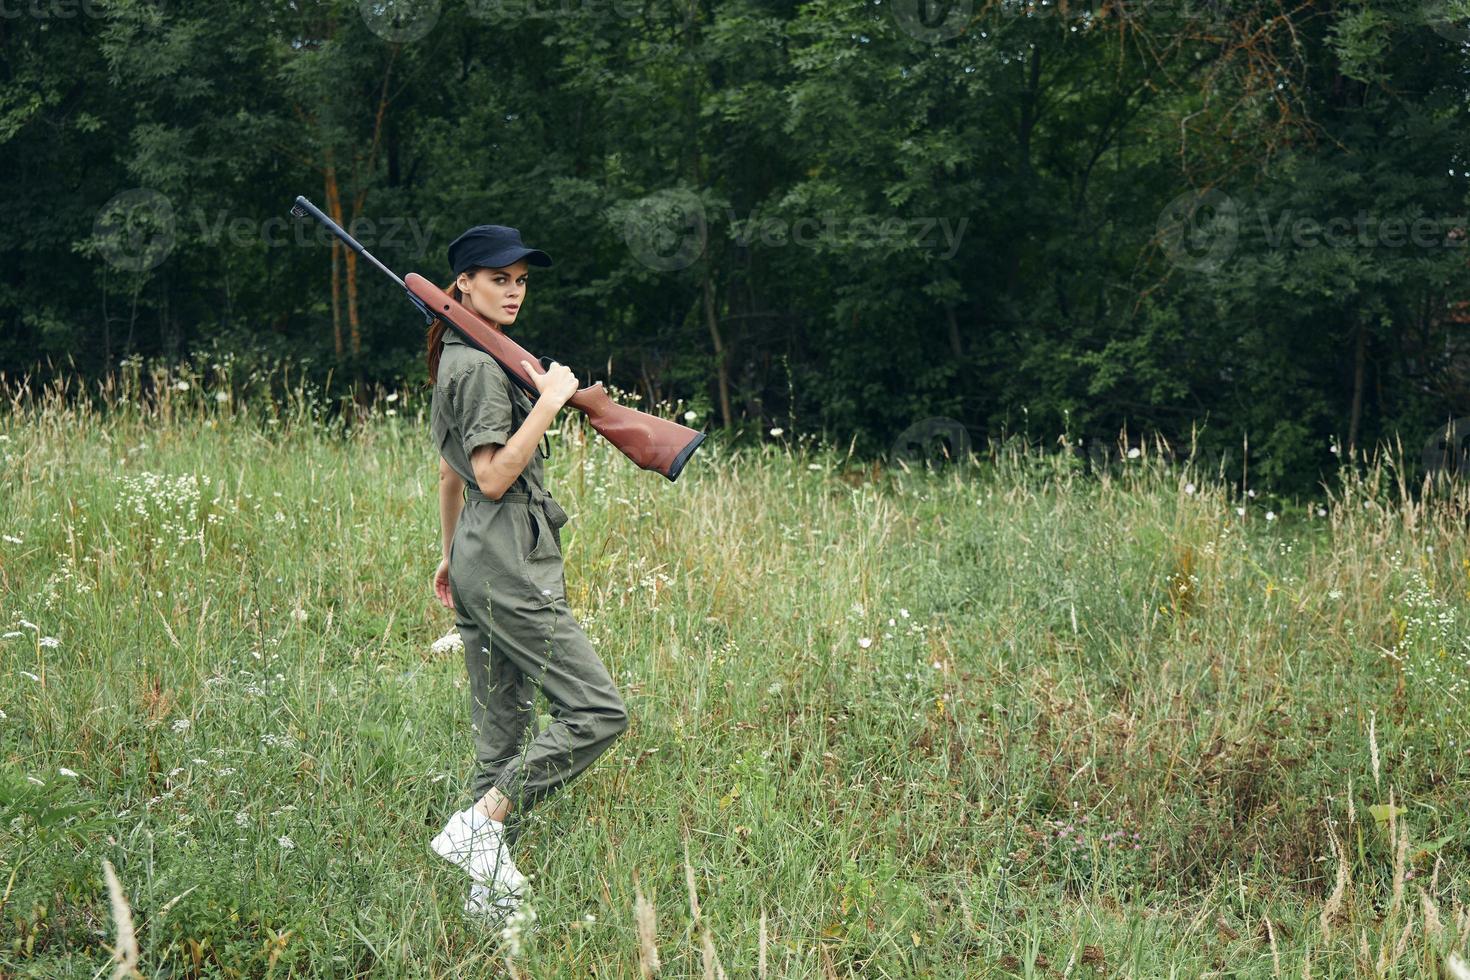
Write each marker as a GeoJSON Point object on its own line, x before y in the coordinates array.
{"type": "Point", "coordinates": [495, 294]}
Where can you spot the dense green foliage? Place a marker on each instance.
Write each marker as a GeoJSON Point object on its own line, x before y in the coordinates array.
{"type": "Point", "coordinates": [1142, 215]}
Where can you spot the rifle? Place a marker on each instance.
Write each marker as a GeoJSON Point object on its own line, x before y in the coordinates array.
{"type": "Point", "coordinates": [661, 445]}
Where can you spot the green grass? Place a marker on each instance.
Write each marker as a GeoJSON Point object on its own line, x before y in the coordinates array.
{"type": "Point", "coordinates": [1013, 719]}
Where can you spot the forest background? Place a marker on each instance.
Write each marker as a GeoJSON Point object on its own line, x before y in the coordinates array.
{"type": "Point", "coordinates": [1240, 226]}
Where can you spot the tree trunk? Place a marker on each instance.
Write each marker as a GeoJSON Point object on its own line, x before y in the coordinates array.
{"type": "Point", "coordinates": [1360, 358]}
{"type": "Point", "coordinates": [722, 372]}
{"type": "Point", "coordinates": [334, 208]}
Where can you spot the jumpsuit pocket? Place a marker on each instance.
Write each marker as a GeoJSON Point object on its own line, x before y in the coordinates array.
{"type": "Point", "coordinates": [543, 562]}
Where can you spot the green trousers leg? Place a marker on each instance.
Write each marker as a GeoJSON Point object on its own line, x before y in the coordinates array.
{"type": "Point", "coordinates": [518, 636]}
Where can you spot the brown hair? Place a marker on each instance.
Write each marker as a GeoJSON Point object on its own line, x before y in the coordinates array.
{"type": "Point", "coordinates": [436, 333]}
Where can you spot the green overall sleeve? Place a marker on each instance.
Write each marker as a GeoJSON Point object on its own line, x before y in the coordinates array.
{"type": "Point", "coordinates": [482, 406]}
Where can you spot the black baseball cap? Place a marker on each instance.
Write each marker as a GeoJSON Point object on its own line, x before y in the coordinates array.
{"type": "Point", "coordinates": [492, 246]}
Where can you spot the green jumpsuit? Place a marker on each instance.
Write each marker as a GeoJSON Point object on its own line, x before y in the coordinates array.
{"type": "Point", "coordinates": [509, 589]}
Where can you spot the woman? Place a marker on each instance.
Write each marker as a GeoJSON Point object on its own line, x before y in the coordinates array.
{"type": "Point", "coordinates": [502, 574]}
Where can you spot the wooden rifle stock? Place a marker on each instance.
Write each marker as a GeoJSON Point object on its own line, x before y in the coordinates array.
{"type": "Point", "coordinates": [661, 445]}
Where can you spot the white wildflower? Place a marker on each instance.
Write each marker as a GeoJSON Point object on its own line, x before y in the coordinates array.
{"type": "Point", "coordinates": [285, 842]}
{"type": "Point", "coordinates": [298, 614]}
{"type": "Point", "coordinates": [12, 539]}
{"type": "Point", "coordinates": [449, 641]}
{"type": "Point", "coordinates": [392, 397]}
{"type": "Point", "coordinates": [776, 431]}
{"type": "Point", "coordinates": [1189, 488]}
{"type": "Point", "coordinates": [865, 641]}
{"type": "Point", "coordinates": [1134, 453]}
{"type": "Point", "coordinates": [518, 922]}
{"type": "Point", "coordinates": [35, 780]}
{"type": "Point", "coordinates": [67, 772]}
{"type": "Point", "coordinates": [181, 724]}
{"type": "Point", "coordinates": [1270, 515]}
{"type": "Point", "coordinates": [690, 415]}
{"type": "Point", "coordinates": [904, 613]}
{"type": "Point", "coordinates": [1240, 511]}
{"type": "Point", "coordinates": [221, 396]}
{"type": "Point", "coordinates": [49, 641]}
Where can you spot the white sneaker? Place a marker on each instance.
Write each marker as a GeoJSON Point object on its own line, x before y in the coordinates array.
{"type": "Point", "coordinates": [481, 852]}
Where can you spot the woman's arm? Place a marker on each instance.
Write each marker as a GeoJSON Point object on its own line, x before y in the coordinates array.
{"type": "Point", "coordinates": [496, 467]}
{"type": "Point", "coordinates": [451, 501]}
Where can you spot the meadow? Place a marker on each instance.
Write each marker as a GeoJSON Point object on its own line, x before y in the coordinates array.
{"type": "Point", "coordinates": [1011, 718]}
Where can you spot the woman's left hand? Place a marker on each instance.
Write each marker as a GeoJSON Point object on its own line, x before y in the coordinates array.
{"type": "Point", "coordinates": [441, 585]}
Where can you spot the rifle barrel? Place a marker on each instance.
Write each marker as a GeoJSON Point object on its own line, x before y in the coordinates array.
{"type": "Point", "coordinates": [303, 207]}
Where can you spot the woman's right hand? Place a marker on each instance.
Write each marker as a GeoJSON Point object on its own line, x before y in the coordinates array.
{"type": "Point", "coordinates": [441, 585]}
{"type": "Point", "coordinates": [558, 384]}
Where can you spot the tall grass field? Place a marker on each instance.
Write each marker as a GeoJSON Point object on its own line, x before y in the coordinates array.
{"type": "Point", "coordinates": [1014, 717]}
